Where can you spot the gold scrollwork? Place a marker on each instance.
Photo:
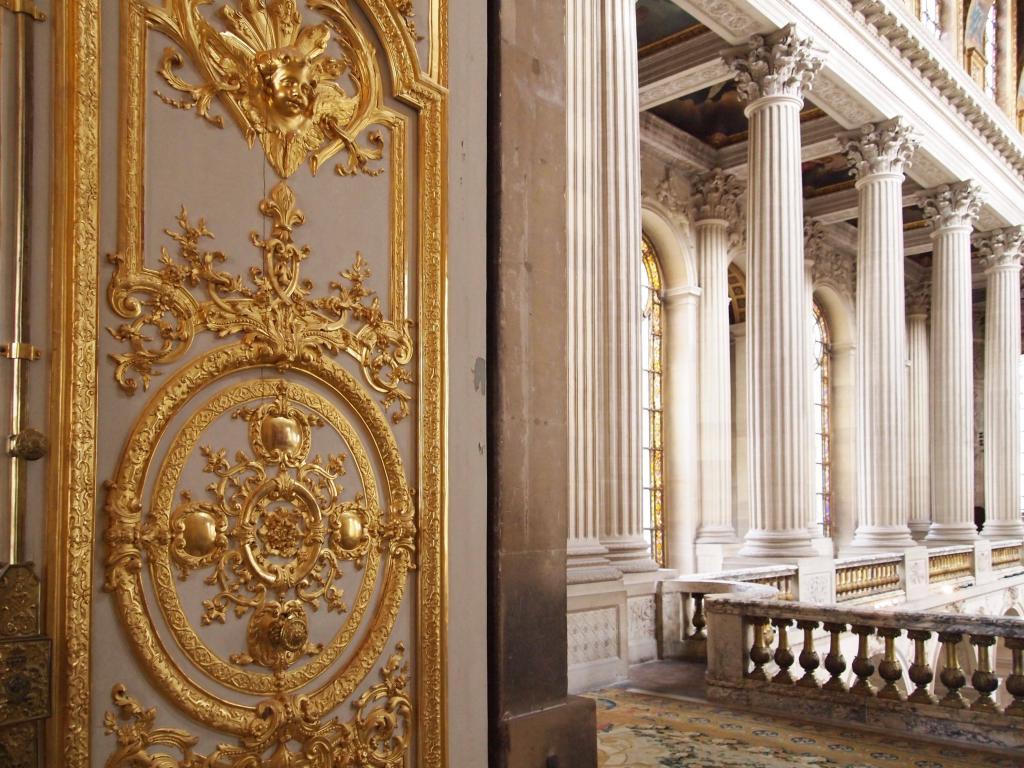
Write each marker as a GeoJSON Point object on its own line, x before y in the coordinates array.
{"type": "Point", "coordinates": [377, 737]}
{"type": "Point", "coordinates": [275, 314]}
{"type": "Point", "coordinates": [19, 601]}
{"type": "Point", "coordinates": [276, 79]}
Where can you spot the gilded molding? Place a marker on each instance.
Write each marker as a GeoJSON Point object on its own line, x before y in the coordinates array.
{"type": "Point", "coordinates": [378, 735]}
{"type": "Point", "coordinates": [782, 63]}
{"type": "Point", "coordinates": [879, 148]}
{"type": "Point", "coordinates": [75, 269]}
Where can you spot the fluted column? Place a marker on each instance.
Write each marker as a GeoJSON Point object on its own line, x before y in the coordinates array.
{"type": "Point", "coordinates": [771, 74]}
{"type": "Point", "coordinates": [714, 211]}
{"type": "Point", "coordinates": [586, 556]}
{"type": "Point", "coordinates": [1000, 252]}
{"type": "Point", "coordinates": [952, 211]}
{"type": "Point", "coordinates": [682, 463]}
{"type": "Point", "coordinates": [918, 299]}
{"type": "Point", "coordinates": [622, 529]}
{"type": "Point", "coordinates": [879, 154]}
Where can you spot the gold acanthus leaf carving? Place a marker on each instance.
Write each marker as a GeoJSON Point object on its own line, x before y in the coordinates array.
{"type": "Point", "coordinates": [275, 77]}
{"type": "Point", "coordinates": [286, 732]}
{"type": "Point", "coordinates": [274, 313]}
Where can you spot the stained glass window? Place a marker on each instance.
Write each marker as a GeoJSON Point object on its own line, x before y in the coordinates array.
{"type": "Point", "coordinates": [653, 470]}
{"type": "Point", "coordinates": [822, 422]}
{"type": "Point", "coordinates": [930, 11]}
{"type": "Point", "coordinates": [991, 51]}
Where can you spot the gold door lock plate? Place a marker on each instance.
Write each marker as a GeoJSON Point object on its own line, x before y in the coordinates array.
{"type": "Point", "coordinates": [19, 350]}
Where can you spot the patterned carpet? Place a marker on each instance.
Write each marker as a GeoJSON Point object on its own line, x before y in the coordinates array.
{"type": "Point", "coordinates": [639, 730]}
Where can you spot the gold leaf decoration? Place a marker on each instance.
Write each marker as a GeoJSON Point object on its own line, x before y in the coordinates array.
{"type": "Point", "coordinates": [273, 313]}
{"type": "Point", "coordinates": [277, 80]}
{"type": "Point", "coordinates": [291, 734]}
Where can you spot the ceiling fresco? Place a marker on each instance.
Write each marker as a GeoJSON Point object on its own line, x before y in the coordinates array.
{"type": "Point", "coordinates": [657, 20]}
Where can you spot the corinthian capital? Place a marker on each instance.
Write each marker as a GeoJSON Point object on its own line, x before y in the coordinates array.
{"type": "Point", "coordinates": [780, 64]}
{"type": "Point", "coordinates": [715, 195]}
{"type": "Point", "coordinates": [952, 205]}
{"type": "Point", "coordinates": [919, 296]}
{"type": "Point", "coordinates": [1000, 247]}
{"type": "Point", "coordinates": [879, 148]}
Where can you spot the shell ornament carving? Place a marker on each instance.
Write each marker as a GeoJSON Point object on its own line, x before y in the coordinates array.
{"type": "Point", "coordinates": [277, 79]}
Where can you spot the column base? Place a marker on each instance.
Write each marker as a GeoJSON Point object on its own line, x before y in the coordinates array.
{"type": "Point", "coordinates": [589, 564]}
{"type": "Point", "coordinates": [630, 556]}
{"type": "Point", "coordinates": [951, 533]}
{"type": "Point", "coordinates": [711, 556]}
{"type": "Point", "coordinates": [1003, 529]}
{"type": "Point", "coordinates": [716, 534]}
{"type": "Point", "coordinates": [777, 544]}
{"type": "Point", "coordinates": [919, 529]}
{"type": "Point", "coordinates": [882, 537]}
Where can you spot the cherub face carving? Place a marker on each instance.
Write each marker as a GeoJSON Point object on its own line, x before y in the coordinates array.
{"type": "Point", "coordinates": [289, 86]}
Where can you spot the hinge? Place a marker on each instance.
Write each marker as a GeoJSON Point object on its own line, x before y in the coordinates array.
{"type": "Point", "coordinates": [24, 6]}
{"type": "Point", "coordinates": [19, 350]}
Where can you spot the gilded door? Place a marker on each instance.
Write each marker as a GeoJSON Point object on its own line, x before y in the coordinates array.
{"type": "Point", "coordinates": [246, 486]}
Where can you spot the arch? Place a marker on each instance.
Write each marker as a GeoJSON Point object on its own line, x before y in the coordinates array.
{"type": "Point", "coordinates": [652, 445]}
{"type": "Point", "coordinates": [672, 240]}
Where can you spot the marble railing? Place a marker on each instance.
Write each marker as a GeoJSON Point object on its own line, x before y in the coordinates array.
{"type": "Point", "coordinates": [751, 660]}
{"type": "Point", "coordinates": [868, 576]}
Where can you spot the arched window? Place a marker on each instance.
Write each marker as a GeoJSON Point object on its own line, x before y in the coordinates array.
{"type": "Point", "coordinates": [822, 421]}
{"type": "Point", "coordinates": [930, 13]}
{"type": "Point", "coordinates": [991, 51]}
{"type": "Point", "coordinates": [653, 471]}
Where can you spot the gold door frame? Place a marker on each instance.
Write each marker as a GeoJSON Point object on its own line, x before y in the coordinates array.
{"type": "Point", "coordinates": [73, 488]}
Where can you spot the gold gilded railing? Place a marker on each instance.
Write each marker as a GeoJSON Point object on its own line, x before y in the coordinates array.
{"type": "Point", "coordinates": [947, 566]}
{"type": "Point", "coordinates": [857, 580]}
{"type": "Point", "coordinates": [1008, 556]}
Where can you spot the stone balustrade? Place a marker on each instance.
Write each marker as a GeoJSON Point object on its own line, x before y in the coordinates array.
{"type": "Point", "coordinates": [1006, 555]}
{"type": "Point", "coordinates": [868, 576]}
{"type": "Point", "coordinates": [951, 563]}
{"type": "Point", "coordinates": [752, 661]}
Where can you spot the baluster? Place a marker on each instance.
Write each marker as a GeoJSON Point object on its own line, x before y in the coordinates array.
{"type": "Point", "coordinates": [699, 621]}
{"type": "Point", "coordinates": [809, 659]}
{"type": "Point", "coordinates": [952, 676]}
{"type": "Point", "coordinates": [835, 664]}
{"type": "Point", "coordinates": [984, 680]}
{"type": "Point", "coordinates": [1015, 681]}
{"type": "Point", "coordinates": [921, 671]}
{"type": "Point", "coordinates": [862, 666]}
{"type": "Point", "coordinates": [759, 652]}
{"type": "Point", "coordinates": [890, 668]}
{"type": "Point", "coordinates": [783, 654]}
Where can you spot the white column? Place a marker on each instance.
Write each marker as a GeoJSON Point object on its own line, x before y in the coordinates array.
{"type": "Point", "coordinates": [587, 557]}
{"type": "Point", "coordinates": [952, 211]}
{"type": "Point", "coordinates": [714, 210]}
{"type": "Point", "coordinates": [1006, 59]}
{"type": "Point", "coordinates": [682, 473]}
{"type": "Point", "coordinates": [622, 528]}
{"type": "Point", "coordinates": [771, 74]}
{"type": "Point", "coordinates": [879, 154]}
{"type": "Point", "coordinates": [1000, 252]}
{"type": "Point", "coordinates": [918, 299]}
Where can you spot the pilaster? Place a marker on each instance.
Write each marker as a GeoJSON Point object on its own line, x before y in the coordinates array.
{"type": "Point", "coordinates": [879, 155]}
{"type": "Point", "coordinates": [1000, 254]}
{"type": "Point", "coordinates": [952, 210]}
{"type": "Point", "coordinates": [771, 73]}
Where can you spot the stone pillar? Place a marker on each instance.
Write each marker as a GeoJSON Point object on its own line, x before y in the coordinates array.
{"type": "Point", "coordinates": [879, 155]}
{"type": "Point", "coordinates": [918, 299]}
{"type": "Point", "coordinates": [622, 528]}
{"type": "Point", "coordinates": [714, 210]}
{"type": "Point", "coordinates": [1006, 59]}
{"type": "Point", "coordinates": [682, 463]}
{"type": "Point", "coordinates": [1000, 253]}
{"type": "Point", "coordinates": [771, 73]}
{"type": "Point", "coordinates": [952, 211]}
{"type": "Point", "coordinates": [587, 558]}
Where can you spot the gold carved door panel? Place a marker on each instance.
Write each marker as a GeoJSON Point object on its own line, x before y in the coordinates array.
{"type": "Point", "coordinates": [248, 397]}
